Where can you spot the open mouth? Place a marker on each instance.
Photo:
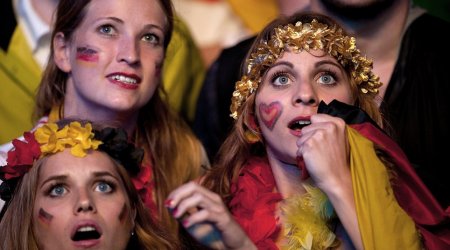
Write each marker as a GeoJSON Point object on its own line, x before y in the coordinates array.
{"type": "Point", "coordinates": [298, 124]}
{"type": "Point", "coordinates": [86, 233]}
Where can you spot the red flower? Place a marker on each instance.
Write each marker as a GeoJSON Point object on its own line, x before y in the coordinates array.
{"type": "Point", "coordinates": [21, 159]}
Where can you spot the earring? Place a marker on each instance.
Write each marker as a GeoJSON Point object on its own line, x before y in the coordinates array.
{"type": "Point", "coordinates": [132, 233]}
{"type": "Point", "coordinates": [252, 136]}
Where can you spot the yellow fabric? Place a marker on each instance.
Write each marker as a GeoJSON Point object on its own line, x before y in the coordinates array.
{"type": "Point", "coordinates": [19, 77]}
{"type": "Point", "coordinates": [183, 71]}
{"type": "Point", "coordinates": [255, 14]}
{"type": "Point", "coordinates": [382, 222]}
{"type": "Point", "coordinates": [55, 113]}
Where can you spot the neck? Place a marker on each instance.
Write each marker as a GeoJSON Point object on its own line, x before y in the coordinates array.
{"type": "Point", "coordinates": [287, 177]}
{"type": "Point", "coordinates": [45, 9]}
{"type": "Point", "coordinates": [102, 115]}
{"type": "Point", "coordinates": [379, 38]}
{"type": "Point", "coordinates": [289, 7]}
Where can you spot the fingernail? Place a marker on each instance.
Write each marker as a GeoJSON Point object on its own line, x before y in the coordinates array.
{"type": "Point", "coordinates": [168, 202]}
{"type": "Point", "coordinates": [185, 222]}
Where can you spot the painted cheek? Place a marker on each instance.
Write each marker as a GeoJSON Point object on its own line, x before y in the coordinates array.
{"type": "Point", "coordinates": [270, 113]}
{"type": "Point", "coordinates": [44, 216]}
{"type": "Point", "coordinates": [87, 54]}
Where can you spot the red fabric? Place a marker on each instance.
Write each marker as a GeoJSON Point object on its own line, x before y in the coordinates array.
{"type": "Point", "coordinates": [412, 195]}
{"type": "Point", "coordinates": [254, 203]}
{"type": "Point", "coordinates": [144, 184]}
{"type": "Point", "coordinates": [255, 198]}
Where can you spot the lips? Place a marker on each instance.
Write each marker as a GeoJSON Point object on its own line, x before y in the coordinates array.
{"type": "Point", "coordinates": [129, 81]}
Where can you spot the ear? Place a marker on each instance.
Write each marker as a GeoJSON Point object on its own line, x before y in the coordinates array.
{"type": "Point", "coordinates": [61, 52]}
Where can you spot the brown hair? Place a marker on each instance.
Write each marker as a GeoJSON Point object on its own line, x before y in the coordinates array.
{"type": "Point", "coordinates": [177, 155]}
{"type": "Point", "coordinates": [235, 150]}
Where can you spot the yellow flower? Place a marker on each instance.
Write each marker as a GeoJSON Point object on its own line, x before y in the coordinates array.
{"type": "Point", "coordinates": [49, 138]}
{"type": "Point", "coordinates": [80, 139]}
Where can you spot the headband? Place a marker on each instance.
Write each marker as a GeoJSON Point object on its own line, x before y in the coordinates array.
{"type": "Point", "coordinates": [80, 138]}
{"type": "Point", "coordinates": [299, 37]}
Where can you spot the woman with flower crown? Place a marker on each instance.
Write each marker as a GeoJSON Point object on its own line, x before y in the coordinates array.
{"type": "Point", "coordinates": [105, 66]}
{"type": "Point", "coordinates": [307, 165]}
{"type": "Point", "coordinates": [68, 186]}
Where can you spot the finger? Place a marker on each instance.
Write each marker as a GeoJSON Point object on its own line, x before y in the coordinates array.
{"type": "Point", "coordinates": [181, 193]}
{"type": "Point", "coordinates": [190, 204]}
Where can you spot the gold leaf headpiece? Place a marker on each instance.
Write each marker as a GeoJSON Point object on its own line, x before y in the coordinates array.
{"type": "Point", "coordinates": [299, 37]}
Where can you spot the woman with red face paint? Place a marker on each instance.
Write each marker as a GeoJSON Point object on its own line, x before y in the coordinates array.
{"type": "Point", "coordinates": [67, 186]}
{"type": "Point", "coordinates": [307, 165]}
{"type": "Point", "coordinates": [105, 66]}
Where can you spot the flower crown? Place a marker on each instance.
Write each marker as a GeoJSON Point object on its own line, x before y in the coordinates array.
{"type": "Point", "coordinates": [80, 138]}
{"type": "Point", "coordinates": [299, 37]}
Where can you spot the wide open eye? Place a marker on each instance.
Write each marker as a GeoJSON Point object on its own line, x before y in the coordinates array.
{"type": "Point", "coordinates": [57, 190]}
{"type": "Point", "coordinates": [280, 79]}
{"type": "Point", "coordinates": [327, 78]}
{"type": "Point", "coordinates": [104, 187]}
{"type": "Point", "coordinates": [152, 38]}
{"type": "Point", "coordinates": [107, 29]}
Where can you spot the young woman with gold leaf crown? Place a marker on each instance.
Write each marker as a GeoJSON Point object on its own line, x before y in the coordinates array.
{"type": "Point", "coordinates": [307, 165]}
{"type": "Point", "coordinates": [105, 65]}
{"type": "Point", "coordinates": [68, 186]}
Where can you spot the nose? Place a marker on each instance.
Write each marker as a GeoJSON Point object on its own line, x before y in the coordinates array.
{"type": "Point", "coordinates": [128, 51]}
{"type": "Point", "coordinates": [85, 203]}
{"type": "Point", "coordinates": [305, 94]}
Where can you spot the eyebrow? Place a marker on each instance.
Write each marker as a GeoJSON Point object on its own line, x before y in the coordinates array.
{"type": "Point", "coordinates": [147, 26]}
{"type": "Point", "coordinates": [65, 177]}
{"type": "Point", "coordinates": [54, 178]}
{"type": "Point", "coordinates": [326, 61]}
{"type": "Point", "coordinates": [104, 173]}
{"type": "Point", "coordinates": [284, 63]}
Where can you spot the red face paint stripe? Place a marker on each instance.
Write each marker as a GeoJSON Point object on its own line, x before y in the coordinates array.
{"type": "Point", "coordinates": [44, 216]}
{"type": "Point", "coordinates": [86, 54]}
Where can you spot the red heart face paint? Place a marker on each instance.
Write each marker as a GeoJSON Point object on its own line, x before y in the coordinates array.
{"type": "Point", "coordinates": [87, 54]}
{"type": "Point", "coordinates": [44, 216]}
{"type": "Point", "coordinates": [270, 113]}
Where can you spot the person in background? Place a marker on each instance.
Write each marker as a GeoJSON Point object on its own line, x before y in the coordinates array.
{"type": "Point", "coordinates": [25, 40]}
{"type": "Point", "coordinates": [69, 186]}
{"type": "Point", "coordinates": [307, 164]}
{"type": "Point", "coordinates": [105, 66]}
{"type": "Point", "coordinates": [397, 35]}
